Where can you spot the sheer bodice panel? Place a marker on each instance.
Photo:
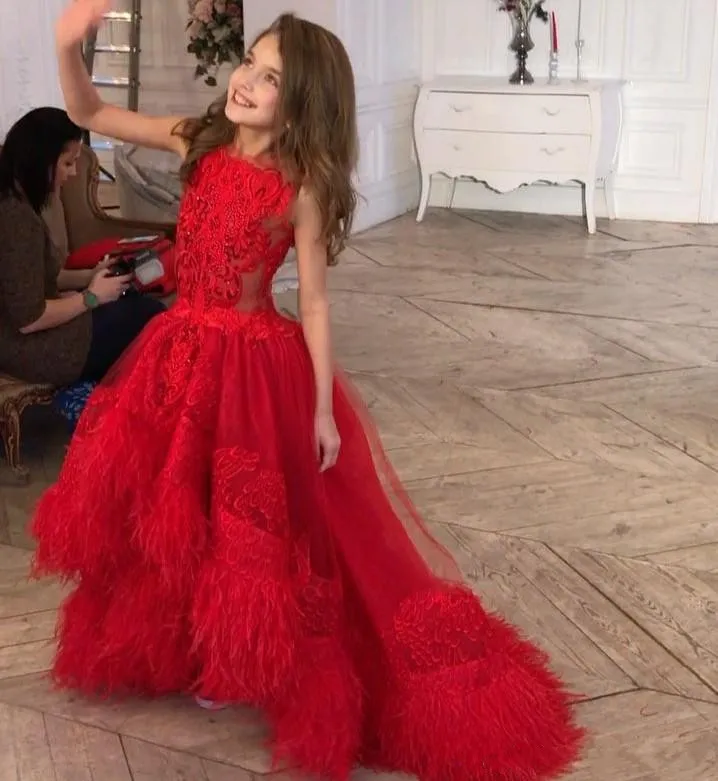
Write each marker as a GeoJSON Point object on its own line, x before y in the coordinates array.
{"type": "Point", "coordinates": [233, 233]}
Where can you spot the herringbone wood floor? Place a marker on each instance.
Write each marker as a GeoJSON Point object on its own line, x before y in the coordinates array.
{"type": "Point", "coordinates": [550, 399]}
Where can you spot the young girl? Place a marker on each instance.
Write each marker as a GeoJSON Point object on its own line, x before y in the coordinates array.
{"type": "Point", "coordinates": [219, 544]}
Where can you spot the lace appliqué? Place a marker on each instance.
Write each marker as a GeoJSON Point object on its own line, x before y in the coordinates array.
{"type": "Point", "coordinates": [252, 493]}
{"type": "Point", "coordinates": [254, 528]}
{"type": "Point", "coordinates": [234, 233]}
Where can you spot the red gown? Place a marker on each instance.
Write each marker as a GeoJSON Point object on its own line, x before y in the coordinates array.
{"type": "Point", "coordinates": [209, 555]}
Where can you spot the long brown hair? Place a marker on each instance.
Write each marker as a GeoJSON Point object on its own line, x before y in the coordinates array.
{"type": "Point", "coordinates": [316, 130]}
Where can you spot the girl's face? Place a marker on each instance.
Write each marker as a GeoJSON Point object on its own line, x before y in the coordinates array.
{"type": "Point", "coordinates": [67, 164]}
{"type": "Point", "coordinates": [254, 86]}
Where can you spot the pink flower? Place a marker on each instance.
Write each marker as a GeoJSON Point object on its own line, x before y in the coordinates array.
{"type": "Point", "coordinates": [203, 11]}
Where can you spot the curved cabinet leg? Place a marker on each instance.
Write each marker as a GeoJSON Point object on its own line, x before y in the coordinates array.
{"type": "Point", "coordinates": [424, 198]}
{"type": "Point", "coordinates": [452, 193]}
{"type": "Point", "coordinates": [589, 196]}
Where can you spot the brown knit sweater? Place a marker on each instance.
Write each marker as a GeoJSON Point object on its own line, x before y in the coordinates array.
{"type": "Point", "coordinates": [29, 266]}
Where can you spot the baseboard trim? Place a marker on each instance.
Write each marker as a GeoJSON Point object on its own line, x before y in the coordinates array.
{"type": "Point", "coordinates": [385, 200]}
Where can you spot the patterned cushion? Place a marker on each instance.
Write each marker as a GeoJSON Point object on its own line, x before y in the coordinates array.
{"type": "Point", "coordinates": [71, 400]}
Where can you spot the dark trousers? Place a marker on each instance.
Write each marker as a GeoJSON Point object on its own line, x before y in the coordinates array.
{"type": "Point", "coordinates": [114, 327]}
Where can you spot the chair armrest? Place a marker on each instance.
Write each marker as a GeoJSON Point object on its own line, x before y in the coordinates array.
{"type": "Point", "coordinates": [87, 221]}
{"type": "Point", "coordinates": [116, 227]}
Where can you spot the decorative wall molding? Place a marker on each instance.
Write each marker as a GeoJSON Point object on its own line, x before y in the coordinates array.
{"type": "Point", "coordinates": [665, 49]}
{"type": "Point", "coordinates": [384, 43]}
{"type": "Point", "coordinates": [709, 192]}
{"type": "Point", "coordinates": [383, 40]}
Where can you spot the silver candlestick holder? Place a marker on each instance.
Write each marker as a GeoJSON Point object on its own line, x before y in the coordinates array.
{"type": "Point", "coordinates": [579, 60]}
{"type": "Point", "coordinates": [553, 68]}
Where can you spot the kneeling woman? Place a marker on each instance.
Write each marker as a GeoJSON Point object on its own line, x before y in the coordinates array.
{"type": "Point", "coordinates": [47, 335]}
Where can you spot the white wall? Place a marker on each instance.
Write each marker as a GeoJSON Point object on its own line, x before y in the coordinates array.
{"type": "Point", "coordinates": [665, 49]}
{"type": "Point", "coordinates": [28, 71]}
{"type": "Point", "coordinates": [383, 38]}
{"type": "Point", "coordinates": [709, 194]}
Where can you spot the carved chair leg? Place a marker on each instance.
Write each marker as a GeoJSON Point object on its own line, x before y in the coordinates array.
{"type": "Point", "coordinates": [10, 433]}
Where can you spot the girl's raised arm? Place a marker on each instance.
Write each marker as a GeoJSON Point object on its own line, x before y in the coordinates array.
{"type": "Point", "coordinates": [83, 102]}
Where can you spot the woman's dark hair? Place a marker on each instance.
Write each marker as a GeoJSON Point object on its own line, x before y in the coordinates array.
{"type": "Point", "coordinates": [30, 152]}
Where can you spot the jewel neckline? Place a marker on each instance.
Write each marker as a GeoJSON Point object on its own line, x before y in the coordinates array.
{"type": "Point", "coordinates": [250, 161]}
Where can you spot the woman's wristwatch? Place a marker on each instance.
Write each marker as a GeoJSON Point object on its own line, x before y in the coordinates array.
{"type": "Point", "coordinates": [90, 300]}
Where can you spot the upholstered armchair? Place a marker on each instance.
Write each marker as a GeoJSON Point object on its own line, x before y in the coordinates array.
{"type": "Point", "coordinates": [77, 218]}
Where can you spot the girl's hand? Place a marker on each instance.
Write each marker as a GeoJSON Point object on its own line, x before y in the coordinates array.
{"type": "Point", "coordinates": [77, 20]}
{"type": "Point", "coordinates": [106, 262]}
{"type": "Point", "coordinates": [327, 441]}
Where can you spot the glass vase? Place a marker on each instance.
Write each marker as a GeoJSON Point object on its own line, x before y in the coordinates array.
{"type": "Point", "coordinates": [521, 44]}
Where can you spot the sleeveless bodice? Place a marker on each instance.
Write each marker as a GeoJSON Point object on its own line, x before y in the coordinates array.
{"type": "Point", "coordinates": [233, 233]}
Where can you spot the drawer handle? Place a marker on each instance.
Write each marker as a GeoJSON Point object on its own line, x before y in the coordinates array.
{"type": "Point", "coordinates": [459, 109]}
{"type": "Point", "coordinates": [550, 113]}
{"type": "Point", "coordinates": [551, 152]}
{"type": "Point", "coordinates": [456, 147]}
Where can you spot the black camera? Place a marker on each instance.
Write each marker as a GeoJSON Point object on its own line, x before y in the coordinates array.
{"type": "Point", "coordinates": [122, 267]}
{"type": "Point", "coordinates": [128, 264]}
{"type": "Point", "coordinates": [146, 267]}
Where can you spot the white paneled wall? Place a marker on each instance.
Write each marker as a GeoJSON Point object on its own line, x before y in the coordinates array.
{"type": "Point", "coordinates": [709, 193]}
{"type": "Point", "coordinates": [28, 71]}
{"type": "Point", "coordinates": [384, 42]}
{"type": "Point", "coordinates": [383, 39]}
{"type": "Point", "coordinates": [665, 51]}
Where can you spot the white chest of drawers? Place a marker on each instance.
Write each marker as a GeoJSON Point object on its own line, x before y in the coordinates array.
{"type": "Point", "coordinates": [508, 136]}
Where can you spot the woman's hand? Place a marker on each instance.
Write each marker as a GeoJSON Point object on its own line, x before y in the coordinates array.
{"type": "Point", "coordinates": [327, 441]}
{"type": "Point", "coordinates": [106, 262]}
{"type": "Point", "coordinates": [107, 288]}
{"type": "Point", "coordinates": [77, 20]}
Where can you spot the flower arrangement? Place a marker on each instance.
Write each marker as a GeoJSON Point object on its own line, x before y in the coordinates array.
{"type": "Point", "coordinates": [525, 10]}
{"type": "Point", "coordinates": [521, 13]}
{"type": "Point", "coordinates": [216, 35]}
